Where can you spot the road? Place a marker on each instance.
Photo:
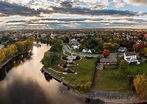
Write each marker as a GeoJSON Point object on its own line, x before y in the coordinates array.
{"type": "Point", "coordinates": [66, 49]}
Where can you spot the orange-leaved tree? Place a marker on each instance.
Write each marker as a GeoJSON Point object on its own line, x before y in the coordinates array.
{"type": "Point", "coordinates": [106, 53]}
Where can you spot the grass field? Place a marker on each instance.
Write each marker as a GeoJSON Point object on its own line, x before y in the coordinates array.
{"type": "Point", "coordinates": [110, 80]}
{"type": "Point", "coordinates": [142, 67]}
{"type": "Point", "coordinates": [84, 71]}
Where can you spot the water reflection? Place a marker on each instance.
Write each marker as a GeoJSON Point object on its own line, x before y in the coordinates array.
{"type": "Point", "coordinates": [25, 84]}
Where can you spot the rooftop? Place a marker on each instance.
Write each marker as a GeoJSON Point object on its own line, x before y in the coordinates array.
{"type": "Point", "coordinates": [130, 53]}
{"type": "Point", "coordinates": [108, 60]}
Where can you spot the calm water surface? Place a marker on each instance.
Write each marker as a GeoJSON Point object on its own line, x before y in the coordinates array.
{"type": "Point", "coordinates": [25, 84]}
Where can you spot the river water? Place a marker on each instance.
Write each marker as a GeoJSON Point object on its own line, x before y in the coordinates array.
{"type": "Point", "coordinates": [25, 84]}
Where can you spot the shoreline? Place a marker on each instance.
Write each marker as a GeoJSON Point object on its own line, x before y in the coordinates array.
{"type": "Point", "coordinates": [106, 96]}
{"type": "Point", "coordinates": [4, 63]}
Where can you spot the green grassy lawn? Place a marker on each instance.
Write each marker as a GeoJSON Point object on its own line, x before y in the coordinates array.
{"type": "Point", "coordinates": [110, 80]}
{"type": "Point", "coordinates": [142, 67]}
{"type": "Point", "coordinates": [84, 71]}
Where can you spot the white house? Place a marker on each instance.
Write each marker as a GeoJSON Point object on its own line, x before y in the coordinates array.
{"type": "Point", "coordinates": [75, 46]}
{"type": "Point", "coordinates": [86, 50]}
{"type": "Point", "coordinates": [131, 57]}
{"type": "Point", "coordinates": [73, 42]}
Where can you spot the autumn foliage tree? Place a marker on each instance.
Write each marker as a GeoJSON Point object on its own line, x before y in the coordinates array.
{"type": "Point", "coordinates": [17, 47]}
{"type": "Point", "coordinates": [106, 53]}
{"type": "Point", "coordinates": [12, 50]}
{"type": "Point", "coordinates": [140, 83]}
{"type": "Point", "coordinates": [139, 46]}
{"type": "Point", "coordinates": [2, 55]}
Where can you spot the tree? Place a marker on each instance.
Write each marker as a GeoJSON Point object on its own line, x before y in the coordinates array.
{"type": "Point", "coordinates": [145, 51]}
{"type": "Point", "coordinates": [107, 46]}
{"type": "Point", "coordinates": [81, 48]}
{"type": "Point", "coordinates": [106, 53]}
{"type": "Point", "coordinates": [12, 50]}
{"type": "Point", "coordinates": [2, 55]}
{"type": "Point", "coordinates": [123, 67]}
{"type": "Point", "coordinates": [57, 47]}
{"type": "Point", "coordinates": [20, 46]}
{"type": "Point", "coordinates": [140, 83]}
{"type": "Point", "coordinates": [138, 46]}
{"type": "Point", "coordinates": [115, 46]}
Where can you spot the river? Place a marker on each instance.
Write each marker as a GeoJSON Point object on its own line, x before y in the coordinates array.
{"type": "Point", "coordinates": [25, 84]}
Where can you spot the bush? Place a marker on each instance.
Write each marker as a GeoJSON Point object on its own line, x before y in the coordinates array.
{"type": "Point", "coordinates": [64, 66]}
{"type": "Point", "coordinates": [84, 88]}
{"type": "Point", "coordinates": [78, 57]}
{"type": "Point", "coordinates": [64, 57]}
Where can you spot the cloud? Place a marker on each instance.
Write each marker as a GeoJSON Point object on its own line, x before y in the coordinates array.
{"type": "Point", "coordinates": [105, 2]}
{"type": "Point", "coordinates": [66, 4]}
{"type": "Point", "coordinates": [87, 11]}
{"type": "Point", "coordinates": [16, 21]}
{"type": "Point", "coordinates": [65, 7]}
{"type": "Point", "coordinates": [136, 2]}
{"type": "Point", "coordinates": [91, 1]}
{"type": "Point", "coordinates": [14, 9]}
{"type": "Point", "coordinates": [118, 3]}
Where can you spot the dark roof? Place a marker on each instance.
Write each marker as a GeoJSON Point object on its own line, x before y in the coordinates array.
{"type": "Point", "coordinates": [108, 60]}
{"type": "Point", "coordinates": [130, 53]}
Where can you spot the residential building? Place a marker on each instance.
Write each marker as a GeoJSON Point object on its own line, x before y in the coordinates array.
{"type": "Point", "coordinates": [122, 49]}
{"type": "Point", "coordinates": [131, 57]}
{"type": "Point", "coordinates": [108, 61]}
{"type": "Point", "coordinates": [87, 50]}
{"type": "Point", "coordinates": [75, 46]}
{"type": "Point", "coordinates": [73, 42]}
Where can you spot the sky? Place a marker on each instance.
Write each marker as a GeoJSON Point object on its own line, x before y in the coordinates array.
{"type": "Point", "coordinates": [72, 14]}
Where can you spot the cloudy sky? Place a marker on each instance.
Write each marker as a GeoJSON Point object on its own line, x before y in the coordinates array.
{"type": "Point", "coordinates": [72, 14]}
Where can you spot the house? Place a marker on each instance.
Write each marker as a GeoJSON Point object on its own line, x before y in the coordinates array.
{"type": "Point", "coordinates": [108, 61]}
{"type": "Point", "coordinates": [43, 35]}
{"type": "Point", "coordinates": [75, 46]}
{"type": "Point", "coordinates": [131, 57]}
{"type": "Point", "coordinates": [87, 50]}
{"type": "Point", "coordinates": [53, 35]}
{"type": "Point", "coordinates": [122, 49]}
{"type": "Point", "coordinates": [73, 42]}
{"type": "Point", "coordinates": [105, 63]}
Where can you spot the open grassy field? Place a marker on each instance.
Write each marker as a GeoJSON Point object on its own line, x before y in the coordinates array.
{"type": "Point", "coordinates": [84, 71]}
{"type": "Point", "coordinates": [110, 80]}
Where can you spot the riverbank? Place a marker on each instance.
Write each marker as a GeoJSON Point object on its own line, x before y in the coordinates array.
{"type": "Point", "coordinates": [7, 61]}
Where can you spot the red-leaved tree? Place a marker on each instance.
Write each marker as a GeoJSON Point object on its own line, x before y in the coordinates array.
{"type": "Point", "coordinates": [139, 46]}
{"type": "Point", "coordinates": [106, 53]}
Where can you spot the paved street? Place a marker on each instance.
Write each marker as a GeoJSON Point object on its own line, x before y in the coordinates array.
{"type": "Point", "coordinates": [65, 48]}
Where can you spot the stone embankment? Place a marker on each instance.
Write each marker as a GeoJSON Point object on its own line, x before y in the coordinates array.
{"type": "Point", "coordinates": [115, 97]}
